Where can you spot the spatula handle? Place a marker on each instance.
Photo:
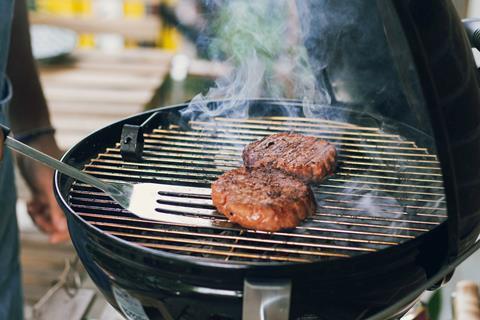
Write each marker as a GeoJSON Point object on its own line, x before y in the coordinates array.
{"type": "Point", "coordinates": [52, 162]}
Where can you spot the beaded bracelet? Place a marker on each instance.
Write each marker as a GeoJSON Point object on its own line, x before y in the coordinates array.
{"type": "Point", "coordinates": [33, 134]}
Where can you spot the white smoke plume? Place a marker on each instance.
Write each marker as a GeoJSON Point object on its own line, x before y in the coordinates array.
{"type": "Point", "coordinates": [263, 43]}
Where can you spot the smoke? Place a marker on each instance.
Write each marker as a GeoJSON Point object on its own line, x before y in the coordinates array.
{"type": "Point", "coordinates": [243, 82]}
{"type": "Point", "coordinates": [262, 41]}
{"type": "Point", "coordinates": [321, 52]}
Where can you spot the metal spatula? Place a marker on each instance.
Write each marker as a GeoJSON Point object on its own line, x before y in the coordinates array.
{"type": "Point", "coordinates": [140, 199]}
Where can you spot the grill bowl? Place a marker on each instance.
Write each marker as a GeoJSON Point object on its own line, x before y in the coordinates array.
{"type": "Point", "coordinates": [165, 281]}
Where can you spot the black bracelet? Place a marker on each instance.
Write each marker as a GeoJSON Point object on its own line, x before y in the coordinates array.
{"type": "Point", "coordinates": [33, 134]}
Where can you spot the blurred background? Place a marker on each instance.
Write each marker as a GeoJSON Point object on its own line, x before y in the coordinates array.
{"type": "Point", "coordinates": [99, 23]}
{"type": "Point", "coordinates": [103, 60]}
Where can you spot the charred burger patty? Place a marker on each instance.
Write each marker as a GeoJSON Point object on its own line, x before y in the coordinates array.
{"type": "Point", "coordinates": [262, 198]}
{"type": "Point", "coordinates": [306, 157]}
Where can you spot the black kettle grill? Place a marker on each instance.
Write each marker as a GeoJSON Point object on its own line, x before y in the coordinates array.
{"type": "Point", "coordinates": [401, 211]}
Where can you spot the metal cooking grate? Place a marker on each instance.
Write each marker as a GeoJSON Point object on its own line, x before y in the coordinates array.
{"type": "Point", "coordinates": [386, 190]}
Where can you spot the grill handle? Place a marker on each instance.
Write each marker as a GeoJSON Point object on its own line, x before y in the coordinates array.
{"type": "Point", "coordinates": [54, 163]}
{"type": "Point", "coordinates": [264, 300]}
{"type": "Point", "coordinates": [472, 27]}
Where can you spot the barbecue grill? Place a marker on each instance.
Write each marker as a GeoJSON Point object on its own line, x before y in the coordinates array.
{"type": "Point", "coordinates": [401, 178]}
{"type": "Point", "coordinates": [395, 218]}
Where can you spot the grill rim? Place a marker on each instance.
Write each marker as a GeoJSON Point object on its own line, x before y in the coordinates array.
{"type": "Point", "coordinates": [62, 182]}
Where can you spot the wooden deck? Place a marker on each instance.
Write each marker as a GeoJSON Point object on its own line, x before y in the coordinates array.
{"type": "Point", "coordinates": [96, 89]}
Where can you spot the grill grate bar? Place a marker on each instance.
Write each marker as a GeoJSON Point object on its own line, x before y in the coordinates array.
{"type": "Point", "coordinates": [272, 129]}
{"type": "Point", "coordinates": [369, 225]}
{"type": "Point", "coordinates": [158, 162]}
{"type": "Point", "coordinates": [236, 157]}
{"type": "Point", "coordinates": [172, 208]}
{"type": "Point", "coordinates": [329, 124]}
{"type": "Point", "coordinates": [390, 184]}
{"type": "Point", "coordinates": [237, 161]}
{"type": "Point", "coordinates": [348, 194]}
{"type": "Point", "coordinates": [208, 202]}
{"type": "Point", "coordinates": [185, 200]}
{"type": "Point", "coordinates": [276, 234]}
{"type": "Point", "coordinates": [248, 136]}
{"type": "Point", "coordinates": [352, 138]}
{"type": "Point", "coordinates": [348, 174]}
{"type": "Point", "coordinates": [227, 237]}
{"type": "Point", "coordinates": [393, 166]}
{"type": "Point", "coordinates": [220, 218]}
{"type": "Point", "coordinates": [108, 165]}
{"type": "Point", "coordinates": [181, 206]}
{"type": "Point", "coordinates": [346, 168]}
{"type": "Point", "coordinates": [154, 143]}
{"type": "Point", "coordinates": [380, 189]}
{"type": "Point", "coordinates": [140, 178]}
{"type": "Point", "coordinates": [363, 217]}
{"type": "Point", "coordinates": [327, 137]}
{"type": "Point", "coordinates": [221, 253]}
{"type": "Point", "coordinates": [233, 161]}
{"type": "Point", "coordinates": [229, 245]}
{"type": "Point", "coordinates": [236, 140]}
{"type": "Point", "coordinates": [158, 141]}
{"type": "Point", "coordinates": [125, 164]}
{"type": "Point", "coordinates": [377, 204]}
{"type": "Point", "coordinates": [214, 144]}
{"type": "Point", "coordinates": [155, 160]}
{"type": "Point", "coordinates": [141, 171]}
{"type": "Point", "coordinates": [260, 134]}
{"type": "Point", "coordinates": [280, 119]}
{"type": "Point", "coordinates": [218, 170]}
{"type": "Point", "coordinates": [361, 210]}
{"type": "Point", "coordinates": [357, 232]}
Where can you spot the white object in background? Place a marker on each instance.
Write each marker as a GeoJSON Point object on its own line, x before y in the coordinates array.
{"type": "Point", "coordinates": [51, 42]}
{"type": "Point", "coordinates": [109, 42]}
{"type": "Point", "coordinates": [476, 56]}
{"type": "Point", "coordinates": [179, 67]}
{"type": "Point", "coordinates": [473, 8]}
{"type": "Point", "coordinates": [131, 307]}
{"type": "Point", "coordinates": [109, 10]}
{"type": "Point", "coordinates": [466, 302]}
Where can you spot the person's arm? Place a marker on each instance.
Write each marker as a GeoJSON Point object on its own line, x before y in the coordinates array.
{"type": "Point", "coordinates": [28, 112]}
{"type": "Point", "coordinates": [28, 108]}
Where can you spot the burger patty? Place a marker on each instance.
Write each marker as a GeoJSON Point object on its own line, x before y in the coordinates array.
{"type": "Point", "coordinates": [262, 198]}
{"type": "Point", "coordinates": [306, 157]}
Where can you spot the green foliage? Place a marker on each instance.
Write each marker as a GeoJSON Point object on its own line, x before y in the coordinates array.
{"type": "Point", "coordinates": [435, 305]}
{"type": "Point", "coordinates": [243, 28]}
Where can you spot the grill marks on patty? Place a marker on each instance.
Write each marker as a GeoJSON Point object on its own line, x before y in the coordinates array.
{"type": "Point", "coordinates": [271, 192]}
{"type": "Point", "coordinates": [262, 198]}
{"type": "Point", "coordinates": [306, 157]}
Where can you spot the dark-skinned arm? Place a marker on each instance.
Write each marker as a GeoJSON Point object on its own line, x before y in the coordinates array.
{"type": "Point", "coordinates": [28, 111]}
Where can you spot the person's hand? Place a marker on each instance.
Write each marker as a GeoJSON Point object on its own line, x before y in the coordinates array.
{"type": "Point", "coordinates": [43, 208]}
